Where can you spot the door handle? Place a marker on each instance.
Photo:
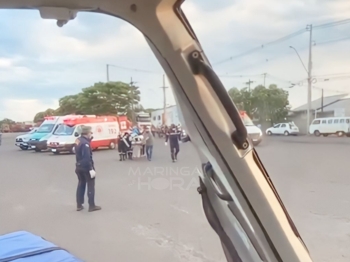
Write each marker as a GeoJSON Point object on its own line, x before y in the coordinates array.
{"type": "Point", "coordinates": [199, 67]}
{"type": "Point", "coordinates": [220, 190]}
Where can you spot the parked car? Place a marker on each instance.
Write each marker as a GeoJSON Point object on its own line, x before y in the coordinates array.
{"type": "Point", "coordinates": [22, 140]}
{"type": "Point", "coordinates": [283, 129]}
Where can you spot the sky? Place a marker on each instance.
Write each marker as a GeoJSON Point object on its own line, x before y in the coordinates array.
{"type": "Point", "coordinates": [40, 62]}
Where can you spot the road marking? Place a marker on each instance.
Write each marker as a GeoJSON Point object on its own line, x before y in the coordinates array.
{"type": "Point", "coordinates": [181, 251]}
{"type": "Point", "coordinates": [180, 209]}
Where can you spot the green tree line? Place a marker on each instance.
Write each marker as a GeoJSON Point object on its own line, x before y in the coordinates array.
{"type": "Point", "coordinates": [269, 104]}
{"type": "Point", "coordinates": [111, 98]}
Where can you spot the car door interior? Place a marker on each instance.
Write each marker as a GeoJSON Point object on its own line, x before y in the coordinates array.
{"type": "Point", "coordinates": [238, 197]}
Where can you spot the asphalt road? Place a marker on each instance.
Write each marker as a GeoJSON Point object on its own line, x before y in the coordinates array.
{"type": "Point", "coordinates": [146, 219]}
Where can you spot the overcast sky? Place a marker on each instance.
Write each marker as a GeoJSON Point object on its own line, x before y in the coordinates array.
{"type": "Point", "coordinates": [40, 62]}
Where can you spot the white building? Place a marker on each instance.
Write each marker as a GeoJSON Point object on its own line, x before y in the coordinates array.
{"type": "Point", "coordinates": [172, 116]}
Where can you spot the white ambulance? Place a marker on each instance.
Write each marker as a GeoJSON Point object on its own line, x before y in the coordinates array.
{"type": "Point", "coordinates": [105, 131]}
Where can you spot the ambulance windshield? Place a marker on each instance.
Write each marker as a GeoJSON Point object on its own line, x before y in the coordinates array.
{"type": "Point", "coordinates": [45, 128]}
{"type": "Point", "coordinates": [64, 130]}
{"type": "Point", "coordinates": [246, 120]}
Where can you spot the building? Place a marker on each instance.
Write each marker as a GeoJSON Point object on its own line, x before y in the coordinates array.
{"type": "Point", "coordinates": [337, 105]}
{"type": "Point", "coordinates": [172, 116]}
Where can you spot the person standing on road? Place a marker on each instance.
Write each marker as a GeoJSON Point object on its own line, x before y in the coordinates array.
{"type": "Point", "coordinates": [173, 137]}
{"type": "Point", "coordinates": [148, 141]}
{"type": "Point", "coordinates": [85, 170]}
{"type": "Point", "coordinates": [121, 148]}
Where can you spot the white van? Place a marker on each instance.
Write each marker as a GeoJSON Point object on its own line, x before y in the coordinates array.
{"type": "Point", "coordinates": [105, 133]}
{"type": "Point", "coordinates": [330, 125]}
{"type": "Point", "coordinates": [254, 133]}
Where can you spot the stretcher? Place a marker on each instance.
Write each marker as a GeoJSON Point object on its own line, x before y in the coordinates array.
{"type": "Point", "coordinates": [23, 246]}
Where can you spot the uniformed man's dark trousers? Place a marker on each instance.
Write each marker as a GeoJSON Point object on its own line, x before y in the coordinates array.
{"type": "Point", "coordinates": [174, 150]}
{"type": "Point", "coordinates": [85, 178]}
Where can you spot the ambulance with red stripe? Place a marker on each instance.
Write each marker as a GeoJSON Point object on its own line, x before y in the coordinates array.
{"type": "Point", "coordinates": [254, 133]}
{"type": "Point", "coordinates": [105, 131]}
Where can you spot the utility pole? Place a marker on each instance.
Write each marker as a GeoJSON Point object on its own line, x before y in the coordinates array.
{"type": "Point", "coordinates": [248, 83]}
{"type": "Point", "coordinates": [164, 101]}
{"type": "Point", "coordinates": [107, 67]}
{"type": "Point", "coordinates": [322, 100]}
{"type": "Point", "coordinates": [132, 100]}
{"type": "Point", "coordinates": [309, 78]}
{"type": "Point", "coordinates": [264, 74]}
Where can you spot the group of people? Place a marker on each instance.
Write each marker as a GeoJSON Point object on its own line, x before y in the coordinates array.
{"type": "Point", "coordinates": [136, 144]}
{"type": "Point", "coordinates": [133, 144]}
{"type": "Point", "coordinates": [162, 130]}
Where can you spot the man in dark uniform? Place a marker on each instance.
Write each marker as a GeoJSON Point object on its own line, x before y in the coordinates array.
{"type": "Point", "coordinates": [173, 136]}
{"type": "Point", "coordinates": [85, 170]}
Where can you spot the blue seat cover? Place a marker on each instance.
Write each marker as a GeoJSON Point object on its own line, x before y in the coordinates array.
{"type": "Point", "coordinates": [23, 246]}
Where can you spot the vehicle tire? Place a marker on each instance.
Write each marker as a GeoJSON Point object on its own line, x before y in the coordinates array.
{"type": "Point", "coordinates": [256, 143]}
{"type": "Point", "coordinates": [269, 133]}
{"type": "Point", "coordinates": [112, 145]}
{"type": "Point", "coordinates": [37, 150]}
{"type": "Point", "coordinates": [317, 133]}
{"type": "Point", "coordinates": [325, 135]}
{"type": "Point", "coordinates": [72, 151]}
{"type": "Point", "coordinates": [56, 153]}
{"type": "Point", "coordinates": [286, 133]}
{"type": "Point", "coordinates": [340, 133]}
{"type": "Point", "coordinates": [24, 148]}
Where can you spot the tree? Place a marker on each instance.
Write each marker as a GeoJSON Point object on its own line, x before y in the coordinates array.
{"type": "Point", "coordinates": [261, 102]}
{"type": "Point", "coordinates": [112, 98]}
{"type": "Point", "coordinates": [68, 105]}
{"type": "Point", "coordinates": [7, 121]}
{"type": "Point", "coordinates": [39, 117]}
{"type": "Point", "coordinates": [108, 98]}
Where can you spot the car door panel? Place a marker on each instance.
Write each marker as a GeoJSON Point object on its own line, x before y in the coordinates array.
{"type": "Point", "coordinates": [276, 129]}
{"type": "Point", "coordinates": [210, 129]}
{"type": "Point", "coordinates": [281, 129]}
{"type": "Point", "coordinates": [240, 227]}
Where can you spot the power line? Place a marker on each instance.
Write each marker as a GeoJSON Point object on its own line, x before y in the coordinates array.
{"type": "Point", "coordinates": [299, 32]}
{"type": "Point", "coordinates": [336, 74]}
{"type": "Point", "coordinates": [262, 46]}
{"type": "Point", "coordinates": [135, 69]}
{"type": "Point", "coordinates": [331, 24]}
{"type": "Point", "coordinates": [239, 76]}
{"type": "Point", "coordinates": [335, 78]}
{"type": "Point", "coordinates": [330, 90]}
{"type": "Point", "coordinates": [279, 79]}
{"type": "Point", "coordinates": [333, 40]}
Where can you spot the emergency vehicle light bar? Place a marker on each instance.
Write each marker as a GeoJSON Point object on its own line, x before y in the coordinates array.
{"type": "Point", "coordinates": [88, 119]}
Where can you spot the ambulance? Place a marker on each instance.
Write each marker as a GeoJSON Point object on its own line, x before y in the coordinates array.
{"type": "Point", "coordinates": [105, 131]}
{"type": "Point", "coordinates": [38, 140]}
{"type": "Point", "coordinates": [254, 133]}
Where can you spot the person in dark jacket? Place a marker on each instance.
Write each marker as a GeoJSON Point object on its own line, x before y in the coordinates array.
{"type": "Point", "coordinates": [129, 145]}
{"type": "Point", "coordinates": [85, 170]}
{"type": "Point", "coordinates": [121, 148]}
{"type": "Point", "coordinates": [173, 137]}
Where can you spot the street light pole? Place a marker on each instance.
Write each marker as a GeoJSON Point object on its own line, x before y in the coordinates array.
{"type": "Point", "coordinates": [107, 68]}
{"type": "Point", "coordinates": [264, 74]}
{"type": "Point", "coordinates": [164, 102]}
{"type": "Point", "coordinates": [133, 118]}
{"type": "Point", "coordinates": [309, 79]}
